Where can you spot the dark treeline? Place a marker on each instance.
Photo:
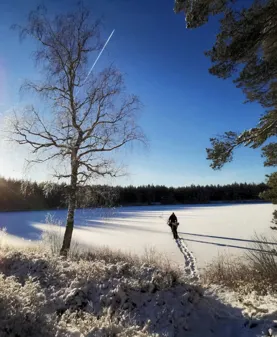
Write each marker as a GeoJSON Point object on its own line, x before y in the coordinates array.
{"type": "Point", "coordinates": [191, 194]}
{"type": "Point", "coordinates": [22, 195]}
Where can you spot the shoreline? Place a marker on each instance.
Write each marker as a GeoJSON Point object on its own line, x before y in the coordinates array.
{"type": "Point", "coordinates": [212, 203]}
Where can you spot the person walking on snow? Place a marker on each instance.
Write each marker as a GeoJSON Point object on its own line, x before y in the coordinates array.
{"type": "Point", "coordinates": [173, 224]}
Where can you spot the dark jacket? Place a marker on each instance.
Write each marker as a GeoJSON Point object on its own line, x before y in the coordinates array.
{"type": "Point", "coordinates": [172, 218]}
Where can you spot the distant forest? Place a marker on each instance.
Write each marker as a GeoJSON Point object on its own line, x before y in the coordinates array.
{"type": "Point", "coordinates": [16, 195]}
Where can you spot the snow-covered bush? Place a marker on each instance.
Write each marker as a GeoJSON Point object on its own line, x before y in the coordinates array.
{"type": "Point", "coordinates": [90, 298]}
{"type": "Point", "coordinates": [91, 326]}
{"type": "Point", "coordinates": [24, 312]}
{"type": "Point", "coordinates": [22, 309]}
{"type": "Point", "coordinates": [46, 295]}
{"type": "Point", "coordinates": [151, 258]}
{"type": "Point", "coordinates": [3, 233]}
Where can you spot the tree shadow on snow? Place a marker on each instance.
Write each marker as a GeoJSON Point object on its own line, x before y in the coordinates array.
{"type": "Point", "coordinates": [21, 224]}
{"type": "Point", "coordinates": [97, 224]}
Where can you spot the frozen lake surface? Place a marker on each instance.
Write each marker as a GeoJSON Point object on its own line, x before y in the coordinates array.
{"type": "Point", "coordinates": [206, 229]}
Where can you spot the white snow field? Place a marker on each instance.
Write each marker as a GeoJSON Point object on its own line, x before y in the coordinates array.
{"type": "Point", "coordinates": [177, 311]}
{"type": "Point", "coordinates": [204, 230]}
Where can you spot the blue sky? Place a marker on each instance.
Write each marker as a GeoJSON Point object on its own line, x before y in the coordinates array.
{"type": "Point", "coordinates": [164, 64]}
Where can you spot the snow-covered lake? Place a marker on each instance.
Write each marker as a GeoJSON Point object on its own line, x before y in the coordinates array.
{"type": "Point", "coordinates": [206, 229]}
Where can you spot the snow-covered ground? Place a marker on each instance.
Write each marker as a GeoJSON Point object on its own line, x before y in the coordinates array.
{"type": "Point", "coordinates": [206, 230]}
{"type": "Point", "coordinates": [173, 309]}
{"type": "Point", "coordinates": [126, 299]}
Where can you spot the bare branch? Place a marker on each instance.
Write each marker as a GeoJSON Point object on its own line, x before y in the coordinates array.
{"type": "Point", "coordinates": [82, 127]}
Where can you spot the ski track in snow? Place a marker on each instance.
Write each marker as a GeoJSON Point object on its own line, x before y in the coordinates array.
{"type": "Point", "coordinates": [190, 261]}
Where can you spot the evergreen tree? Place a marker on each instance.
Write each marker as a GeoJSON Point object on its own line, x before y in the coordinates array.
{"type": "Point", "coordinates": [246, 51]}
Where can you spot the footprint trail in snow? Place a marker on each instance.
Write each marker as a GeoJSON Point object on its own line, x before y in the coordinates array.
{"type": "Point", "coordinates": [190, 262]}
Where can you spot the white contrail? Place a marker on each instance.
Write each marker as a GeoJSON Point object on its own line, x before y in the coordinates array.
{"type": "Point", "coordinates": [98, 57]}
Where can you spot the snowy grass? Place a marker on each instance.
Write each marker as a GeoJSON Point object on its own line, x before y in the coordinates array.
{"type": "Point", "coordinates": [22, 309]}
{"type": "Point", "coordinates": [230, 272]}
{"type": "Point", "coordinates": [44, 295]}
{"type": "Point", "coordinates": [3, 233]}
{"type": "Point", "coordinates": [255, 271]}
{"type": "Point", "coordinates": [151, 258]}
{"type": "Point", "coordinates": [52, 240]}
{"type": "Point", "coordinates": [103, 293]}
{"type": "Point", "coordinates": [25, 312]}
{"type": "Point", "coordinates": [264, 259]}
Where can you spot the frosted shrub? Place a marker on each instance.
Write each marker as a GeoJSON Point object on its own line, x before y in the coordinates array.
{"type": "Point", "coordinates": [52, 237]}
{"type": "Point", "coordinates": [22, 311]}
{"type": "Point", "coordinates": [93, 326]}
{"type": "Point", "coordinates": [151, 261]}
{"type": "Point", "coordinates": [46, 295]}
{"type": "Point", "coordinates": [3, 233]}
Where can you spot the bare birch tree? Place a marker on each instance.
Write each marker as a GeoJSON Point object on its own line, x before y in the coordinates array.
{"type": "Point", "coordinates": [87, 117]}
